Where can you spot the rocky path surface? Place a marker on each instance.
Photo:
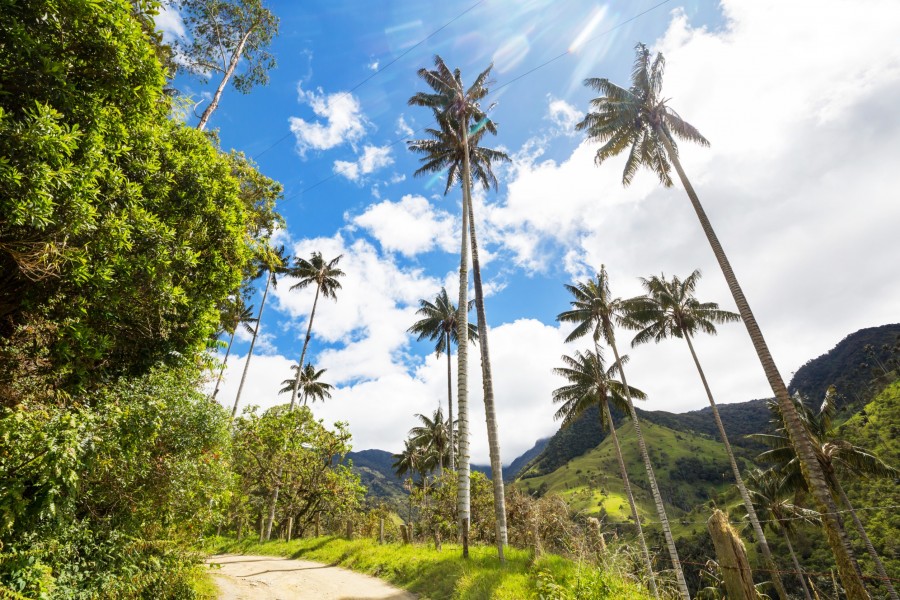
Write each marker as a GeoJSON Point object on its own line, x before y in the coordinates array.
{"type": "Point", "coordinates": [270, 578]}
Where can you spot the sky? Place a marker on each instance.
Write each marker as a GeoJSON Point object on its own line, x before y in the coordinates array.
{"type": "Point", "coordinates": [798, 101]}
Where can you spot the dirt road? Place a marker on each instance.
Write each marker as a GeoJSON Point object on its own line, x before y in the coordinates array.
{"type": "Point", "coordinates": [271, 578]}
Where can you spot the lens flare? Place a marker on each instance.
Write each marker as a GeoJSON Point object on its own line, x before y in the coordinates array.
{"type": "Point", "coordinates": [588, 29]}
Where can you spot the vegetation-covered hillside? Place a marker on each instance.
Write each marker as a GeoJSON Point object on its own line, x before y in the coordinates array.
{"type": "Point", "coordinates": [690, 471]}
{"type": "Point", "coordinates": [854, 367]}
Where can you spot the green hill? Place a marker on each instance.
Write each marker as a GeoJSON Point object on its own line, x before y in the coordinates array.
{"type": "Point", "coordinates": [855, 366]}
{"type": "Point", "coordinates": [689, 470]}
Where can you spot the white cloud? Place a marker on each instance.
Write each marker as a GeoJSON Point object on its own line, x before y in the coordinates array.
{"type": "Point", "coordinates": [367, 323]}
{"type": "Point", "coordinates": [403, 127]}
{"type": "Point", "coordinates": [372, 159]}
{"type": "Point", "coordinates": [344, 121]}
{"type": "Point", "coordinates": [381, 408]}
{"type": "Point", "coordinates": [410, 226]}
{"type": "Point", "coordinates": [798, 184]}
{"type": "Point", "coordinates": [373, 65]}
{"type": "Point", "coordinates": [170, 23]}
{"type": "Point", "coordinates": [563, 115]}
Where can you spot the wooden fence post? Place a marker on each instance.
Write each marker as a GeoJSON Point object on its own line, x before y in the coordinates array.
{"type": "Point", "coordinates": [732, 558]}
{"type": "Point", "coordinates": [381, 531]}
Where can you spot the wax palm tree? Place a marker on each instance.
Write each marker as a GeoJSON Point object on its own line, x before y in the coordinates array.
{"type": "Point", "coordinates": [640, 121]}
{"type": "Point", "coordinates": [455, 147]}
{"type": "Point", "coordinates": [236, 315]}
{"type": "Point", "coordinates": [310, 386]}
{"type": "Point", "coordinates": [410, 461]}
{"type": "Point", "coordinates": [432, 435]}
{"type": "Point", "coordinates": [590, 384]}
{"type": "Point", "coordinates": [325, 276]}
{"type": "Point", "coordinates": [669, 309]}
{"type": "Point", "coordinates": [272, 264]}
{"type": "Point", "coordinates": [835, 456]}
{"type": "Point", "coordinates": [770, 496]}
{"type": "Point", "coordinates": [438, 324]}
{"type": "Point", "coordinates": [594, 311]}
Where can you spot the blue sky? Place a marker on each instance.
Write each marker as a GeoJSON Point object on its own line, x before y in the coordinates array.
{"type": "Point", "coordinates": [798, 182]}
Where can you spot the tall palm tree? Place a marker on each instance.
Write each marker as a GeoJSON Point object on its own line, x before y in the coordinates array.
{"type": "Point", "coordinates": [325, 275]}
{"type": "Point", "coordinates": [834, 455]}
{"type": "Point", "coordinates": [439, 324]}
{"type": "Point", "coordinates": [670, 309]}
{"type": "Point", "coordinates": [310, 386]}
{"type": "Point", "coordinates": [639, 120]}
{"type": "Point", "coordinates": [595, 311]}
{"type": "Point", "coordinates": [769, 496]}
{"type": "Point", "coordinates": [455, 147]}
{"type": "Point", "coordinates": [272, 264]}
{"type": "Point", "coordinates": [236, 315]}
{"type": "Point", "coordinates": [410, 460]}
{"type": "Point", "coordinates": [591, 384]}
{"type": "Point", "coordinates": [433, 436]}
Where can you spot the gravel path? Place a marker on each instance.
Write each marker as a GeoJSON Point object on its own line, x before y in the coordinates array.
{"type": "Point", "coordinates": [270, 578]}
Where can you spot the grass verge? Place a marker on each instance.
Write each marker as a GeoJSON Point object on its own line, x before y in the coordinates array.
{"type": "Point", "coordinates": [445, 575]}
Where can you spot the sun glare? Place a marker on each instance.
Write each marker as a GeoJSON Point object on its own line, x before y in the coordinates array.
{"type": "Point", "coordinates": [585, 33]}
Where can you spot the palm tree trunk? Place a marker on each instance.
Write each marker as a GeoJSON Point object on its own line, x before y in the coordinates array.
{"type": "Point", "coordinates": [796, 562]}
{"type": "Point", "coordinates": [745, 495]}
{"type": "Point", "coordinates": [232, 65]}
{"type": "Point", "coordinates": [450, 405]}
{"type": "Point", "coordinates": [851, 577]}
{"type": "Point", "coordinates": [879, 566]}
{"type": "Point", "coordinates": [654, 488]}
{"type": "Point", "coordinates": [262, 305]}
{"type": "Point", "coordinates": [274, 501]}
{"type": "Point", "coordinates": [312, 316]}
{"type": "Point", "coordinates": [462, 355]}
{"type": "Point", "coordinates": [224, 362]}
{"type": "Point", "coordinates": [634, 512]}
{"type": "Point", "coordinates": [488, 384]}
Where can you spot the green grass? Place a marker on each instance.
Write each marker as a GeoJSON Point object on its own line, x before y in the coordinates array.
{"type": "Point", "coordinates": [203, 585]}
{"type": "Point", "coordinates": [591, 482]}
{"type": "Point", "coordinates": [445, 575]}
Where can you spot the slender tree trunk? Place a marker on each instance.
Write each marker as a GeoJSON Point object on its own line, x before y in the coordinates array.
{"type": "Point", "coordinates": [224, 362]}
{"type": "Point", "coordinates": [745, 495]}
{"type": "Point", "coordinates": [462, 355]}
{"type": "Point", "coordinates": [450, 406]}
{"type": "Point", "coordinates": [232, 65]}
{"type": "Point", "coordinates": [262, 305]}
{"type": "Point", "coordinates": [654, 488]}
{"type": "Point", "coordinates": [879, 566]}
{"type": "Point", "coordinates": [796, 562]}
{"type": "Point", "coordinates": [848, 568]}
{"type": "Point", "coordinates": [488, 384]}
{"type": "Point", "coordinates": [634, 512]}
{"type": "Point", "coordinates": [274, 502]}
{"type": "Point", "coordinates": [312, 316]}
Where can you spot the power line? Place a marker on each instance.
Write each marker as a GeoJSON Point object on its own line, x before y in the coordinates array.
{"type": "Point", "coordinates": [339, 171]}
{"type": "Point", "coordinates": [380, 70]}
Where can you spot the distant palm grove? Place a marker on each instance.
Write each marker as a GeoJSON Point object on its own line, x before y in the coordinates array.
{"type": "Point", "coordinates": [134, 248]}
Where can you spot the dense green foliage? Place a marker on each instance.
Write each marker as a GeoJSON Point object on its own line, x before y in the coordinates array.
{"type": "Point", "coordinates": [855, 367]}
{"type": "Point", "coordinates": [740, 419]}
{"type": "Point", "coordinates": [123, 231]}
{"type": "Point", "coordinates": [101, 500]}
{"type": "Point", "coordinates": [124, 236]}
{"type": "Point", "coordinates": [289, 449]}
